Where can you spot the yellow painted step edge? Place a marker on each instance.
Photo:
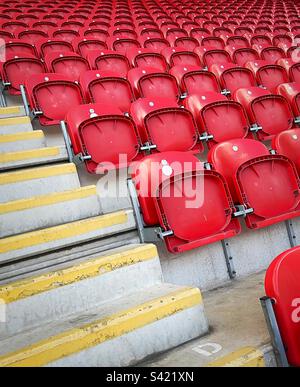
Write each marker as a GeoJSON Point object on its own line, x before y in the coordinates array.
{"type": "Point", "coordinates": [10, 110]}
{"type": "Point", "coordinates": [29, 154]}
{"type": "Point", "coordinates": [97, 332]}
{"type": "Point", "coordinates": [244, 357]}
{"type": "Point", "coordinates": [37, 173]}
{"type": "Point", "coordinates": [97, 266]}
{"type": "Point", "coordinates": [21, 136]}
{"type": "Point", "coordinates": [64, 231]}
{"type": "Point", "coordinates": [14, 120]}
{"type": "Point", "coordinates": [47, 200]}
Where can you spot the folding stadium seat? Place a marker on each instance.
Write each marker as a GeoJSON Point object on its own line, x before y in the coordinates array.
{"type": "Point", "coordinates": [242, 55]}
{"type": "Point", "coordinates": [217, 118]}
{"type": "Point", "coordinates": [30, 35]}
{"type": "Point", "coordinates": [268, 53]}
{"type": "Point", "coordinates": [67, 63]}
{"type": "Point", "coordinates": [123, 33]}
{"type": "Point", "coordinates": [155, 44]}
{"type": "Point", "coordinates": [46, 46]}
{"type": "Point", "coordinates": [291, 91]}
{"type": "Point", "coordinates": [123, 45]}
{"type": "Point", "coordinates": [143, 57]}
{"type": "Point", "coordinates": [107, 60]}
{"type": "Point", "coordinates": [282, 291]}
{"type": "Point", "coordinates": [18, 68]}
{"type": "Point", "coordinates": [213, 42]}
{"type": "Point", "coordinates": [72, 25]}
{"type": "Point", "coordinates": [171, 34]}
{"type": "Point", "coordinates": [51, 96]}
{"type": "Point", "coordinates": [236, 41]}
{"type": "Point", "coordinates": [186, 43]}
{"type": "Point", "coordinates": [292, 68]}
{"type": "Point", "coordinates": [150, 83]}
{"type": "Point", "coordinates": [85, 45]}
{"type": "Point", "coordinates": [45, 26]}
{"type": "Point", "coordinates": [191, 205]}
{"type": "Point", "coordinates": [269, 113]}
{"type": "Point", "coordinates": [107, 86]}
{"type": "Point", "coordinates": [259, 39]}
{"type": "Point", "coordinates": [13, 26]}
{"type": "Point", "coordinates": [5, 35]}
{"type": "Point", "coordinates": [27, 18]}
{"type": "Point", "coordinates": [266, 185]}
{"type": "Point", "coordinates": [180, 56]}
{"type": "Point", "coordinates": [268, 75]}
{"type": "Point", "coordinates": [17, 47]}
{"type": "Point", "coordinates": [288, 144]}
{"type": "Point", "coordinates": [222, 32]}
{"type": "Point", "coordinates": [65, 34]}
{"type": "Point", "coordinates": [155, 121]}
{"type": "Point", "coordinates": [232, 77]}
{"type": "Point", "coordinates": [95, 33]}
{"type": "Point", "coordinates": [99, 134]}
{"type": "Point", "coordinates": [209, 56]}
{"type": "Point", "coordinates": [282, 38]}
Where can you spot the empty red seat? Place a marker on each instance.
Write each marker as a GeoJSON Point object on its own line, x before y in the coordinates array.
{"type": "Point", "coordinates": [260, 39]}
{"type": "Point", "coordinates": [144, 57]}
{"type": "Point", "coordinates": [282, 287]}
{"type": "Point", "coordinates": [17, 47]}
{"type": "Point", "coordinates": [103, 136]}
{"type": "Point", "coordinates": [270, 113]}
{"type": "Point", "coordinates": [288, 144]}
{"type": "Point", "coordinates": [123, 45]}
{"type": "Point", "coordinates": [46, 46]}
{"type": "Point", "coordinates": [292, 68]}
{"type": "Point", "coordinates": [16, 69]}
{"type": "Point", "coordinates": [84, 45]}
{"type": "Point", "coordinates": [209, 56]}
{"type": "Point", "coordinates": [242, 55]}
{"type": "Point", "coordinates": [194, 80]}
{"type": "Point", "coordinates": [186, 43]}
{"type": "Point", "coordinates": [156, 44]}
{"type": "Point", "coordinates": [95, 33]}
{"type": "Point", "coordinates": [191, 205]}
{"type": "Point", "coordinates": [218, 119]}
{"type": "Point", "coordinates": [107, 86]}
{"type": "Point", "coordinates": [233, 77]}
{"type": "Point", "coordinates": [291, 91]}
{"type": "Point", "coordinates": [150, 83]}
{"type": "Point", "coordinates": [267, 184]}
{"type": "Point", "coordinates": [68, 63]}
{"type": "Point", "coordinates": [236, 41]}
{"type": "Point", "coordinates": [213, 42]}
{"type": "Point", "coordinates": [268, 75]}
{"type": "Point", "coordinates": [65, 34]}
{"type": "Point", "coordinates": [166, 126]}
{"type": "Point", "coordinates": [107, 60]}
{"type": "Point", "coordinates": [179, 56]}
{"type": "Point", "coordinates": [269, 53]}
{"type": "Point", "coordinates": [51, 96]}
{"type": "Point", "coordinates": [282, 38]}
{"type": "Point", "coordinates": [31, 35]}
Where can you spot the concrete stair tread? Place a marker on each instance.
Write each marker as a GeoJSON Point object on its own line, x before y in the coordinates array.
{"type": "Point", "coordinates": [22, 141]}
{"type": "Point", "coordinates": [26, 183]}
{"type": "Point", "coordinates": [12, 111]}
{"type": "Point", "coordinates": [68, 234]}
{"type": "Point", "coordinates": [238, 331]}
{"type": "Point", "coordinates": [14, 125]}
{"type": "Point", "coordinates": [27, 158]}
{"type": "Point", "coordinates": [93, 327]}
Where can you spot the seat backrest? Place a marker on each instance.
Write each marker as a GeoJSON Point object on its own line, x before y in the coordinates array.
{"type": "Point", "coordinates": [209, 56]}
{"type": "Point", "coordinates": [144, 57]}
{"type": "Point", "coordinates": [17, 47]}
{"type": "Point", "coordinates": [46, 46]}
{"type": "Point", "coordinates": [291, 91]}
{"type": "Point", "coordinates": [108, 60]}
{"type": "Point", "coordinates": [84, 45]}
{"type": "Point", "coordinates": [287, 143]}
{"type": "Point", "coordinates": [179, 56]}
{"type": "Point", "coordinates": [65, 34]}
{"type": "Point", "coordinates": [282, 285]}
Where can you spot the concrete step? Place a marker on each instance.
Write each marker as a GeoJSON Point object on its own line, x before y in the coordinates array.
{"type": "Point", "coordinates": [31, 157]}
{"type": "Point", "coordinates": [121, 333]}
{"type": "Point", "coordinates": [13, 125]}
{"type": "Point", "coordinates": [26, 183]}
{"type": "Point", "coordinates": [63, 236]}
{"type": "Point", "coordinates": [238, 332]}
{"type": "Point", "coordinates": [48, 210]}
{"type": "Point", "coordinates": [22, 141]}
{"type": "Point", "coordinates": [12, 111]}
{"type": "Point", "coordinates": [78, 286]}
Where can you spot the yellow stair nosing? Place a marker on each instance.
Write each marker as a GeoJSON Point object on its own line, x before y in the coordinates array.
{"type": "Point", "coordinates": [14, 121]}
{"type": "Point", "coordinates": [97, 332]}
{"type": "Point", "coordinates": [47, 200]}
{"type": "Point", "coordinates": [29, 154]}
{"type": "Point", "coordinates": [37, 173]}
{"type": "Point", "coordinates": [94, 267]}
{"type": "Point", "coordinates": [243, 357]}
{"type": "Point", "coordinates": [22, 136]}
{"type": "Point", "coordinates": [63, 231]}
{"type": "Point", "coordinates": [10, 110]}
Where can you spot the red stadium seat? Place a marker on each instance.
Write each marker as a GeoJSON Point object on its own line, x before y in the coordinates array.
{"type": "Point", "coordinates": [288, 144]}
{"type": "Point", "coordinates": [51, 96]}
{"type": "Point", "coordinates": [186, 43]}
{"type": "Point", "coordinates": [100, 133]}
{"type": "Point", "coordinates": [292, 68]}
{"type": "Point", "coordinates": [209, 56]}
{"type": "Point", "coordinates": [107, 86]}
{"type": "Point", "coordinates": [150, 83]}
{"type": "Point", "coordinates": [18, 68]}
{"type": "Point", "coordinates": [282, 287]}
{"type": "Point", "coordinates": [107, 60]}
{"type": "Point", "coordinates": [156, 44]}
{"type": "Point", "coordinates": [213, 42]}
{"type": "Point", "coordinates": [95, 33]}
{"type": "Point", "coordinates": [260, 39]}
{"type": "Point", "coordinates": [268, 75]}
{"type": "Point", "coordinates": [68, 63]}
{"type": "Point", "coordinates": [84, 45]}
{"type": "Point", "coordinates": [269, 113]}
{"type": "Point", "coordinates": [217, 118]}
{"type": "Point", "coordinates": [179, 56]}
{"type": "Point", "coordinates": [269, 53]}
{"type": "Point", "coordinates": [191, 205]}
{"type": "Point", "coordinates": [233, 77]}
{"type": "Point", "coordinates": [194, 80]}
{"type": "Point", "coordinates": [155, 121]}
{"type": "Point", "coordinates": [123, 45]}
{"type": "Point", "coordinates": [291, 91]}
{"type": "Point", "coordinates": [267, 184]}
{"type": "Point", "coordinates": [242, 55]}
{"type": "Point", "coordinates": [144, 57]}
{"type": "Point", "coordinates": [65, 34]}
{"type": "Point", "coordinates": [17, 47]}
{"type": "Point", "coordinates": [46, 46]}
